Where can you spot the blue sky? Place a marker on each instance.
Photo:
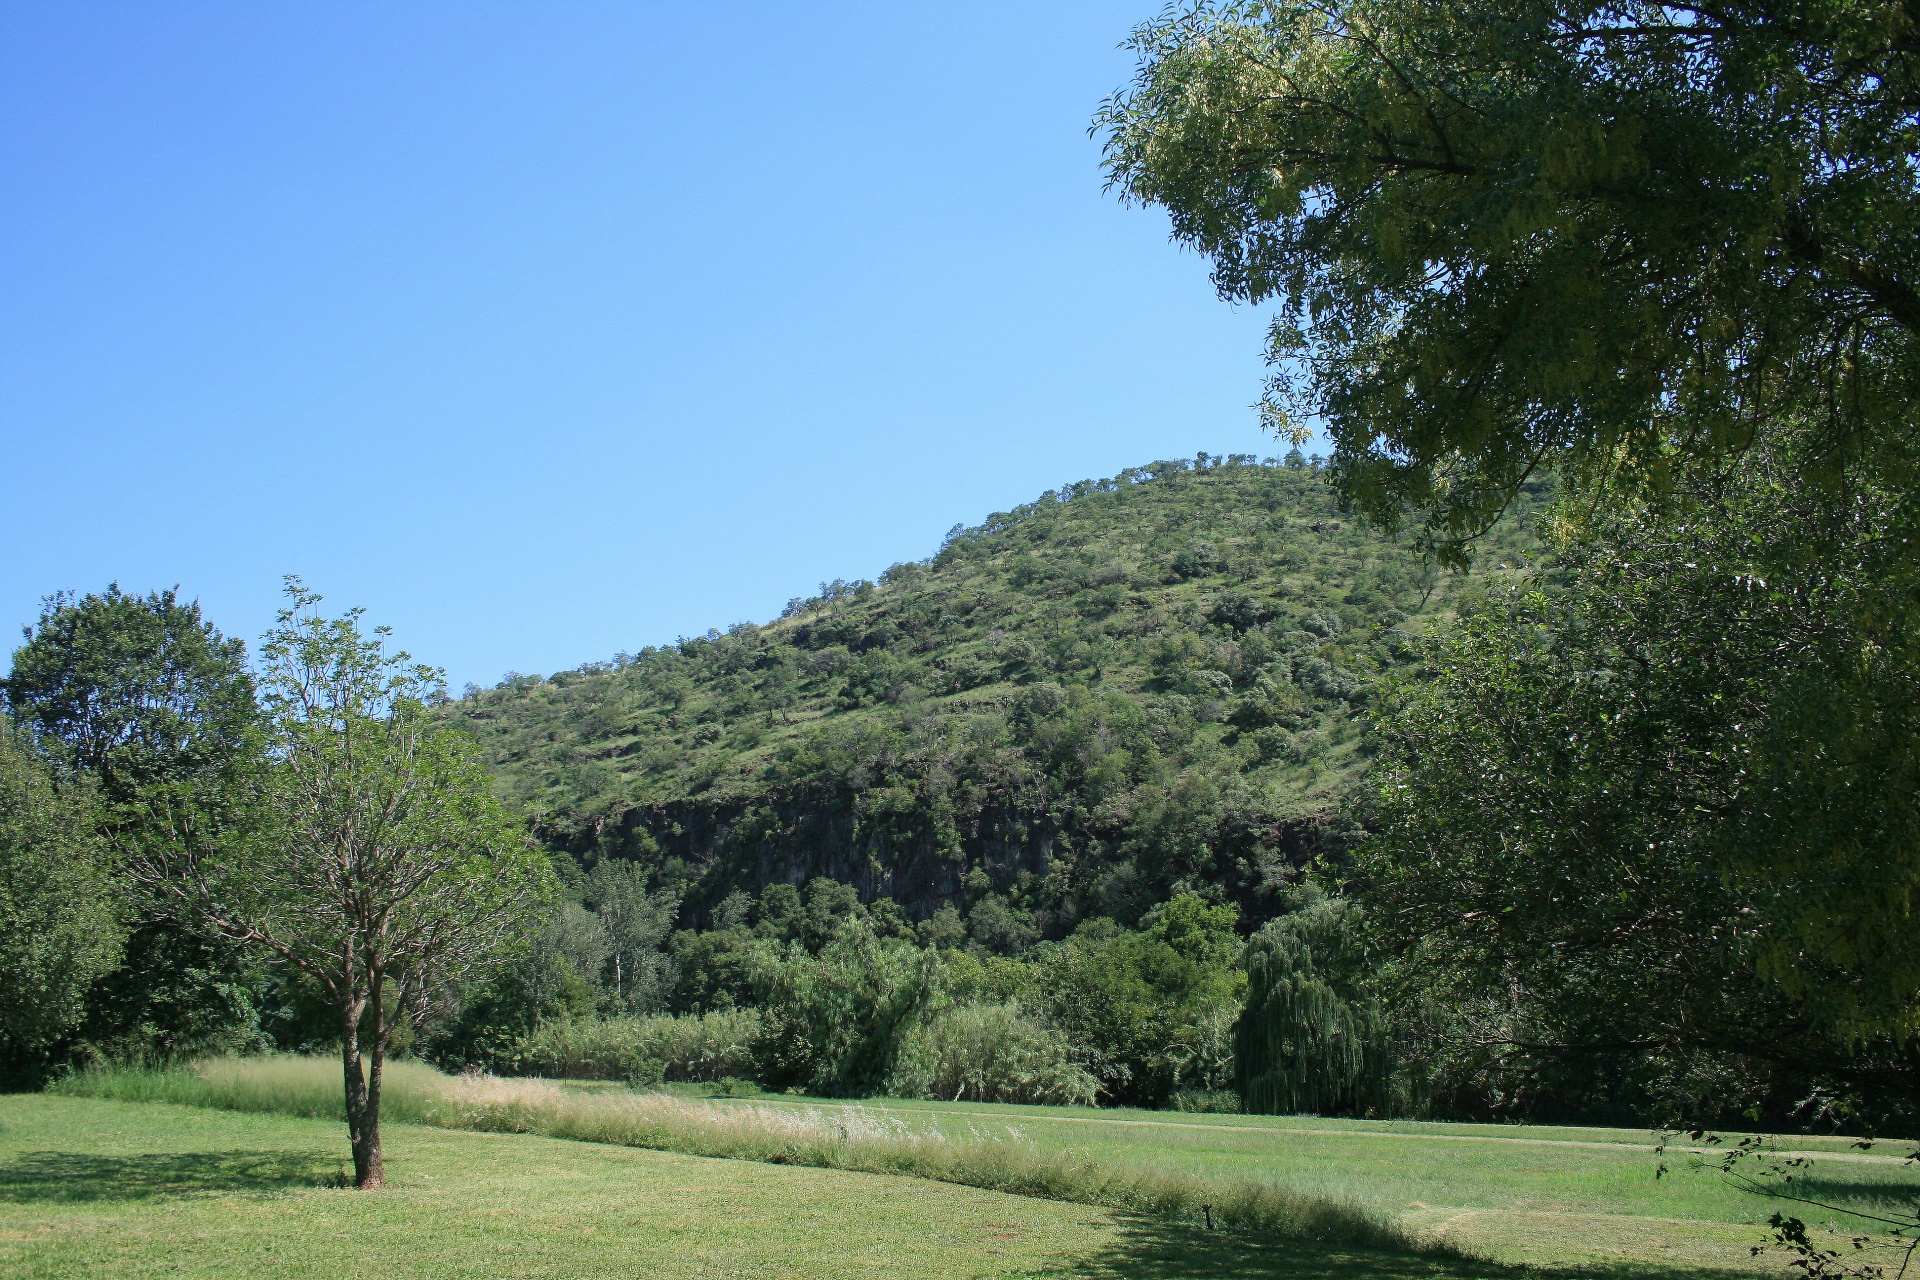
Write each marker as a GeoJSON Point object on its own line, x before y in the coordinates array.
{"type": "Point", "coordinates": [545, 331]}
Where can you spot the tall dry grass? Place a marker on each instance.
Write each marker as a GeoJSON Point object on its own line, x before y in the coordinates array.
{"type": "Point", "coordinates": [279, 1085]}
{"type": "Point", "coordinates": [827, 1138]}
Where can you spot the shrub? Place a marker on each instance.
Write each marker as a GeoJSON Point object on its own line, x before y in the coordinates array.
{"type": "Point", "coordinates": [1216, 1100]}
{"type": "Point", "coordinates": [1196, 560]}
{"type": "Point", "coordinates": [700, 1047]}
{"type": "Point", "coordinates": [836, 1022]}
{"type": "Point", "coordinates": [990, 1053]}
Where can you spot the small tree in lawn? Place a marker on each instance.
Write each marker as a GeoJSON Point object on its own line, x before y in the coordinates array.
{"type": "Point", "coordinates": [382, 866]}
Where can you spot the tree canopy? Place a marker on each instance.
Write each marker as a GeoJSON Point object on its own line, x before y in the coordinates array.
{"type": "Point", "coordinates": [1670, 791]}
{"type": "Point", "coordinates": [1612, 237]}
{"type": "Point", "coordinates": [141, 692]}
{"type": "Point", "coordinates": [143, 702]}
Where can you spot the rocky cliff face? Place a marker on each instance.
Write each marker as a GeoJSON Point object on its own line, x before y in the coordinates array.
{"type": "Point", "coordinates": [706, 850]}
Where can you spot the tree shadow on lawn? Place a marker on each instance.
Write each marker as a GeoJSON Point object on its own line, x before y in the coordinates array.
{"type": "Point", "coordinates": [1151, 1250]}
{"type": "Point", "coordinates": [1859, 1194]}
{"type": "Point", "coordinates": [64, 1177]}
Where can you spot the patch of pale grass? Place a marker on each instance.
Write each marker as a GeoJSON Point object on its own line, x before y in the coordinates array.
{"type": "Point", "coordinates": [278, 1084]}
{"type": "Point", "coordinates": [819, 1137]}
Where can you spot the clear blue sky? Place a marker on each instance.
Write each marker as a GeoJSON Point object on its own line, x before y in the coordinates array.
{"type": "Point", "coordinates": [549, 330]}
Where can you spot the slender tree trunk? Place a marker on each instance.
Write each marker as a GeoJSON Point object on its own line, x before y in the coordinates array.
{"type": "Point", "coordinates": [363, 1105]}
{"type": "Point", "coordinates": [370, 1158]}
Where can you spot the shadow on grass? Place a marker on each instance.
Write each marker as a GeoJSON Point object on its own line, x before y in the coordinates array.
{"type": "Point", "coordinates": [63, 1177]}
{"type": "Point", "coordinates": [1866, 1195]}
{"type": "Point", "coordinates": [1150, 1250]}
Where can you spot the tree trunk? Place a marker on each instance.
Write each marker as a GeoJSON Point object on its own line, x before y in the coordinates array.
{"type": "Point", "coordinates": [363, 1103]}
{"type": "Point", "coordinates": [370, 1121]}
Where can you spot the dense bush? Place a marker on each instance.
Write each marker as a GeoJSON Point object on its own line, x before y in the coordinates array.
{"type": "Point", "coordinates": [699, 1047]}
{"type": "Point", "coordinates": [60, 912]}
{"type": "Point", "coordinates": [1145, 1011]}
{"type": "Point", "coordinates": [1221, 1101]}
{"type": "Point", "coordinates": [1148, 1011]}
{"type": "Point", "coordinates": [989, 1053]}
{"type": "Point", "coordinates": [836, 1022]}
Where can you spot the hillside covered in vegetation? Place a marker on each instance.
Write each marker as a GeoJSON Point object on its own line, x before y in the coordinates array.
{"type": "Point", "coordinates": [1122, 690]}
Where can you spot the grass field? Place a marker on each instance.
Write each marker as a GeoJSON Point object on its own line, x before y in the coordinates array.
{"type": "Point", "coordinates": [1533, 1194]}
{"type": "Point", "coordinates": [91, 1186]}
{"type": "Point", "coordinates": [95, 1188]}
{"type": "Point", "coordinates": [858, 1140]}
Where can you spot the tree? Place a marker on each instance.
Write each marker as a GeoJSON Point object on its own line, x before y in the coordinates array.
{"type": "Point", "coordinates": [382, 867]}
{"type": "Point", "coordinates": [1141, 1008]}
{"type": "Point", "coordinates": [1312, 1036]}
{"type": "Point", "coordinates": [638, 925]}
{"type": "Point", "coordinates": [60, 908]}
{"type": "Point", "coordinates": [147, 699]}
{"type": "Point", "coordinates": [1610, 236]}
{"type": "Point", "coordinates": [716, 969]}
{"type": "Point", "coordinates": [1676, 797]}
{"type": "Point", "coordinates": [139, 691]}
{"type": "Point", "coordinates": [1670, 253]}
{"type": "Point", "coordinates": [837, 1021]}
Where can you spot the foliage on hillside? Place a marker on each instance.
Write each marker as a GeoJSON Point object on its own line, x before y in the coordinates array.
{"type": "Point", "coordinates": [1124, 689]}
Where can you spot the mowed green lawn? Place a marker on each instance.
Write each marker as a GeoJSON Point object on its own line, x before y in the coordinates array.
{"type": "Point", "coordinates": [90, 1188]}
{"type": "Point", "coordinates": [1533, 1194]}
{"type": "Point", "coordinates": [120, 1189]}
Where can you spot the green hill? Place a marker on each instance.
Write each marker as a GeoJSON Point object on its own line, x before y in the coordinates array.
{"type": "Point", "coordinates": [1076, 708]}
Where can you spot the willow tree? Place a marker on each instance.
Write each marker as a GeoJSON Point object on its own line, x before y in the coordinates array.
{"type": "Point", "coordinates": [381, 865]}
{"type": "Point", "coordinates": [1310, 1039]}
